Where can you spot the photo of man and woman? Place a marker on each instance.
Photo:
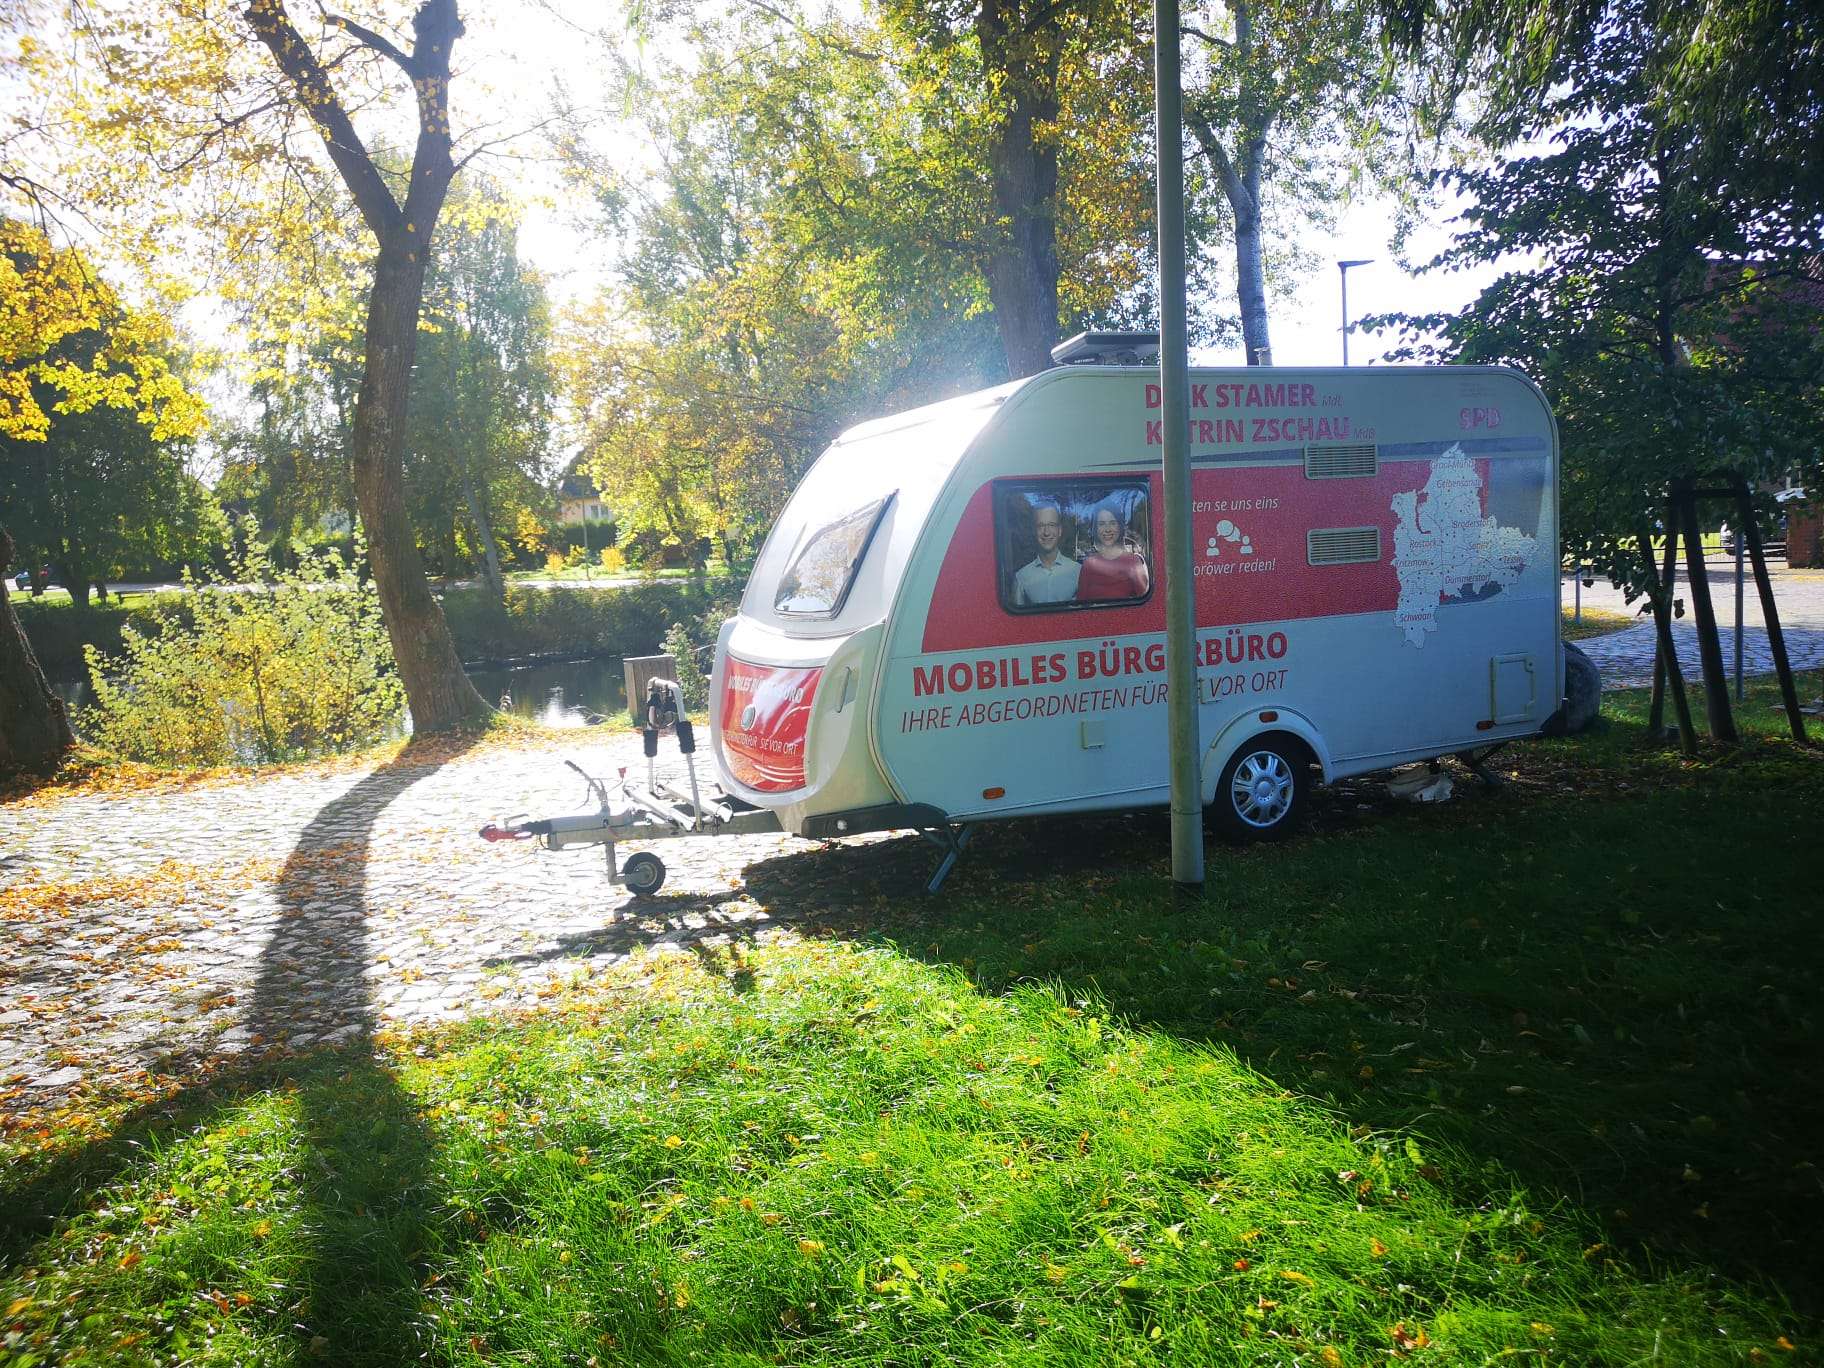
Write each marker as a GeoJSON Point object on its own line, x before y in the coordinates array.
{"type": "Point", "coordinates": [1070, 544]}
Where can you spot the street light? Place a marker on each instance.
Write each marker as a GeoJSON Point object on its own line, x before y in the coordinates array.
{"type": "Point", "coordinates": [1342, 272]}
{"type": "Point", "coordinates": [1175, 459]}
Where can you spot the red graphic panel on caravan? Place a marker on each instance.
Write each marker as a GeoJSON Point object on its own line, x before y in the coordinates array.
{"type": "Point", "coordinates": [766, 710]}
{"type": "Point", "coordinates": [1272, 581]}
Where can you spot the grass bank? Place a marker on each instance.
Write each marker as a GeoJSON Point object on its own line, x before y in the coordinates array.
{"type": "Point", "coordinates": [1533, 1076]}
{"type": "Point", "coordinates": [630, 620]}
{"type": "Point", "coordinates": [58, 630]}
{"type": "Point", "coordinates": [625, 621]}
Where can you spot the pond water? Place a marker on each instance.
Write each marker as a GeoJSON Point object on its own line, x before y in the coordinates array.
{"type": "Point", "coordinates": [570, 693]}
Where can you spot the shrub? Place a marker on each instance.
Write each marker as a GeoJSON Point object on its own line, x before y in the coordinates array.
{"type": "Point", "coordinates": [689, 671]}
{"type": "Point", "coordinates": [579, 621]}
{"type": "Point", "coordinates": [283, 665]}
{"type": "Point", "coordinates": [613, 561]}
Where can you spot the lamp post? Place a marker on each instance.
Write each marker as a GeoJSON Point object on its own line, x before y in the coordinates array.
{"type": "Point", "coordinates": [1175, 410]}
{"type": "Point", "coordinates": [1342, 273]}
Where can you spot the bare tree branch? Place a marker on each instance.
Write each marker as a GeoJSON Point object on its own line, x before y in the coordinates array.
{"type": "Point", "coordinates": [378, 42]}
{"type": "Point", "coordinates": [273, 26]}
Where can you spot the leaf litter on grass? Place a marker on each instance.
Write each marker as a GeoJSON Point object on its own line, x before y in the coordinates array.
{"type": "Point", "coordinates": [869, 1166]}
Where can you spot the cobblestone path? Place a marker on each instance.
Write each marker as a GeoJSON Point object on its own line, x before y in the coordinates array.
{"type": "Point", "coordinates": [1626, 657]}
{"type": "Point", "coordinates": [149, 932]}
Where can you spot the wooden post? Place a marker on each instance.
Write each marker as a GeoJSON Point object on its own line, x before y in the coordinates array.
{"type": "Point", "coordinates": [1709, 647]}
{"type": "Point", "coordinates": [641, 671]}
{"type": "Point", "coordinates": [1776, 637]}
{"type": "Point", "coordinates": [1662, 623]}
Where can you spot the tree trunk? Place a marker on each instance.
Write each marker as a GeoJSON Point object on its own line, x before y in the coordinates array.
{"type": "Point", "coordinates": [436, 689]}
{"type": "Point", "coordinates": [490, 549]}
{"type": "Point", "coordinates": [34, 731]}
{"type": "Point", "coordinates": [1251, 286]}
{"type": "Point", "coordinates": [1023, 163]}
{"type": "Point", "coordinates": [1240, 177]}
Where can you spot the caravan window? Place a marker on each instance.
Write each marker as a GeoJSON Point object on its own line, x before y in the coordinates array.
{"type": "Point", "coordinates": [1064, 545]}
{"type": "Point", "coordinates": [818, 579]}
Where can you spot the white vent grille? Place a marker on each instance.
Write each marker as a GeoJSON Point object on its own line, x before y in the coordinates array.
{"type": "Point", "coordinates": [1342, 545]}
{"type": "Point", "coordinates": [1347, 461]}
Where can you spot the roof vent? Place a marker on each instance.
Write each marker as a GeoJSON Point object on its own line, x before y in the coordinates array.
{"type": "Point", "coordinates": [1108, 349]}
{"type": "Point", "coordinates": [1342, 462]}
{"type": "Point", "coordinates": [1342, 545]}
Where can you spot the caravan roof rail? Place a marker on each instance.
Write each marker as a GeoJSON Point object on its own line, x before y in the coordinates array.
{"type": "Point", "coordinates": [1108, 349]}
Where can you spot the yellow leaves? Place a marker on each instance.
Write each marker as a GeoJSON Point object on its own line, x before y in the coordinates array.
{"type": "Point", "coordinates": [811, 1249]}
{"type": "Point", "coordinates": [127, 1260]}
{"type": "Point", "coordinates": [1292, 1275]}
{"type": "Point", "coordinates": [18, 1304]}
{"type": "Point", "coordinates": [673, 1141]}
{"type": "Point", "coordinates": [262, 1230]}
{"type": "Point", "coordinates": [49, 297]}
{"type": "Point", "coordinates": [1404, 1340]}
{"type": "Point", "coordinates": [1054, 1272]}
{"type": "Point", "coordinates": [664, 1207]}
{"type": "Point", "coordinates": [1377, 1248]}
{"type": "Point", "coordinates": [1242, 1265]}
{"type": "Point", "coordinates": [1330, 1357]}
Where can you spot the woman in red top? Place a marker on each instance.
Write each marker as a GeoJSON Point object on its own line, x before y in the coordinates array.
{"type": "Point", "coordinates": [1111, 571]}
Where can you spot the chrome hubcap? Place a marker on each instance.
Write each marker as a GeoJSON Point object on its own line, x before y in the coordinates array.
{"type": "Point", "coordinates": [1262, 789]}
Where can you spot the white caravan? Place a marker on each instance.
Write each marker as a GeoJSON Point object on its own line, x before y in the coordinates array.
{"type": "Point", "coordinates": [960, 618]}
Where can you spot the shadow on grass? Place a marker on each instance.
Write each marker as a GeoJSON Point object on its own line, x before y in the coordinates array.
{"type": "Point", "coordinates": [365, 1176]}
{"type": "Point", "coordinates": [1602, 979]}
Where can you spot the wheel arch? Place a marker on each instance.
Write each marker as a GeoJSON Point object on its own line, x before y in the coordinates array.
{"type": "Point", "coordinates": [1292, 726]}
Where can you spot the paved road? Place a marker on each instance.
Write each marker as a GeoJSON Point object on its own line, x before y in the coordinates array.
{"type": "Point", "coordinates": [1626, 657]}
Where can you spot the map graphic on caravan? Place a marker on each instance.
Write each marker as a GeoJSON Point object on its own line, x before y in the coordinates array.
{"type": "Point", "coordinates": [1446, 550]}
{"type": "Point", "coordinates": [959, 617]}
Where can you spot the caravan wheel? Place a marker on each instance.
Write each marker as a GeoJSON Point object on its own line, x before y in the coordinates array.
{"type": "Point", "coordinates": [1261, 795]}
{"type": "Point", "coordinates": [643, 874]}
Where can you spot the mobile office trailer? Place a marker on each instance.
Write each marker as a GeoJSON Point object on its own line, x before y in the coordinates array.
{"type": "Point", "coordinates": [959, 616]}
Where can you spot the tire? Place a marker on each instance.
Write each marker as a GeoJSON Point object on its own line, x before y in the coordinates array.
{"type": "Point", "coordinates": [644, 874]}
{"type": "Point", "coordinates": [1263, 790]}
{"type": "Point", "coordinates": [1582, 690]}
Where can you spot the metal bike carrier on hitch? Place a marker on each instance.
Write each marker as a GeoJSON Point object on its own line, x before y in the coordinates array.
{"type": "Point", "coordinates": [655, 811]}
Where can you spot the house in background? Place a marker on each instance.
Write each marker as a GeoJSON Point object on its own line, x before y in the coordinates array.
{"type": "Point", "coordinates": [579, 501]}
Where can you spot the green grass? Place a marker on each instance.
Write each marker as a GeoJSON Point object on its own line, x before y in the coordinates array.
{"type": "Point", "coordinates": [824, 1154]}
{"type": "Point", "coordinates": [1595, 622]}
{"type": "Point", "coordinates": [1530, 1077]}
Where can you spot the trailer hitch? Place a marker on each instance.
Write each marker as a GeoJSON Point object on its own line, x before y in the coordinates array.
{"type": "Point", "coordinates": [657, 810]}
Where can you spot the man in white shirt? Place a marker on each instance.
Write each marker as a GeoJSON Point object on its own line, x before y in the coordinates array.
{"type": "Point", "coordinates": [1048, 577]}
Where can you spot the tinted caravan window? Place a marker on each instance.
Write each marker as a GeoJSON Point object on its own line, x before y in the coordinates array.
{"type": "Point", "coordinates": [817, 581]}
{"type": "Point", "coordinates": [1067, 545]}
